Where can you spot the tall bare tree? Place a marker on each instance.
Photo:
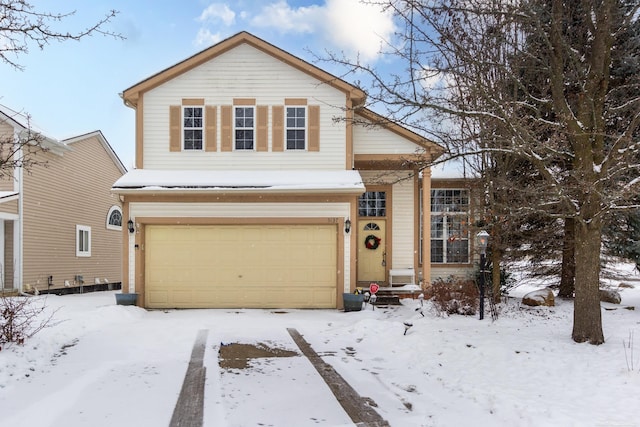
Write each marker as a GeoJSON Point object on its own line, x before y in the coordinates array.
{"type": "Point", "coordinates": [22, 26]}
{"type": "Point", "coordinates": [555, 57]}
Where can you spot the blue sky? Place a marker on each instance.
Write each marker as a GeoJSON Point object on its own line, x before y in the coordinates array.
{"type": "Point", "coordinates": [72, 88]}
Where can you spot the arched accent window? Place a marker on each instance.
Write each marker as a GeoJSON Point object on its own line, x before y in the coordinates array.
{"type": "Point", "coordinates": [371, 226]}
{"type": "Point", "coordinates": [114, 218]}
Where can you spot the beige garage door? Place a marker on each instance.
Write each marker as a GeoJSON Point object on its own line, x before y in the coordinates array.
{"type": "Point", "coordinates": [252, 266]}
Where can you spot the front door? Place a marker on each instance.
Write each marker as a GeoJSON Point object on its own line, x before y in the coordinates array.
{"type": "Point", "coordinates": [372, 250]}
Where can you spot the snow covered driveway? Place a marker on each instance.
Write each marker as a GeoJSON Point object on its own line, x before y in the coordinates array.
{"type": "Point", "coordinates": [108, 365]}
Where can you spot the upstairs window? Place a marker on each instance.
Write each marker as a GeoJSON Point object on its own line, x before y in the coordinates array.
{"type": "Point", "coordinates": [192, 125]}
{"type": "Point", "coordinates": [244, 128]}
{"type": "Point", "coordinates": [296, 122]}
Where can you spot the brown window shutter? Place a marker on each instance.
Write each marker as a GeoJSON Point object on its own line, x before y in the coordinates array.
{"type": "Point", "coordinates": [210, 131]}
{"type": "Point", "coordinates": [314, 128]}
{"type": "Point", "coordinates": [262, 128]}
{"type": "Point", "coordinates": [175, 140]}
{"type": "Point", "coordinates": [226, 127]}
{"type": "Point", "coordinates": [277, 128]}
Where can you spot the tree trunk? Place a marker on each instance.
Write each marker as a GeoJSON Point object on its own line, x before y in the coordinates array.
{"type": "Point", "coordinates": [587, 318]}
{"type": "Point", "coordinates": [568, 274]}
{"type": "Point", "coordinates": [496, 256]}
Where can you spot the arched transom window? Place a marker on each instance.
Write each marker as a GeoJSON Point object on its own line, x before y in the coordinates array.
{"type": "Point", "coordinates": [114, 218]}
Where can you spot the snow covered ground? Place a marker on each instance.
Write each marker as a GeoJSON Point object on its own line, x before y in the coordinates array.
{"type": "Point", "coordinates": [107, 365]}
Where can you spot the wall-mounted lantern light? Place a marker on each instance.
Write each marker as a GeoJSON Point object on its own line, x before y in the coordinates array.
{"type": "Point", "coordinates": [130, 226]}
{"type": "Point", "coordinates": [347, 226]}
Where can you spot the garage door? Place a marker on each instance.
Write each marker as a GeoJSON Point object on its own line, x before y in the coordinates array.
{"type": "Point", "coordinates": [252, 266]}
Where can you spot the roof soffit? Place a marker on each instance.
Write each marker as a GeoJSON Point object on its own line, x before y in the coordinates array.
{"type": "Point", "coordinates": [132, 94]}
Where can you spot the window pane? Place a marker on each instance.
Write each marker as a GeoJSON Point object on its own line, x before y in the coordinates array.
{"type": "Point", "coordinates": [458, 251]}
{"type": "Point", "coordinates": [295, 139]}
{"type": "Point", "coordinates": [193, 139]}
{"type": "Point", "coordinates": [450, 225]}
{"type": "Point", "coordinates": [295, 131]}
{"type": "Point", "coordinates": [372, 203]}
{"type": "Point", "coordinates": [115, 218]}
{"type": "Point", "coordinates": [192, 128]}
{"type": "Point", "coordinates": [437, 251]}
{"type": "Point", "coordinates": [437, 227]}
{"type": "Point", "coordinates": [244, 128]}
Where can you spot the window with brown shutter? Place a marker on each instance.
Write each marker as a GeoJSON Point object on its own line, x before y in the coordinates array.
{"type": "Point", "coordinates": [226, 127]}
{"type": "Point", "coordinates": [314, 127]}
{"type": "Point", "coordinates": [211, 130]}
{"type": "Point", "coordinates": [262, 128]}
{"type": "Point", "coordinates": [277, 128]}
{"type": "Point", "coordinates": [175, 128]}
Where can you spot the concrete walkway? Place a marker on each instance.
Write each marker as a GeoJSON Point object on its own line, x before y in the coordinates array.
{"type": "Point", "coordinates": [189, 410]}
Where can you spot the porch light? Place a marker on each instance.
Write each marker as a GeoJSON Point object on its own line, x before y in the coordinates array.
{"type": "Point", "coordinates": [482, 239]}
{"type": "Point", "coordinates": [347, 226]}
{"type": "Point", "coordinates": [130, 226]}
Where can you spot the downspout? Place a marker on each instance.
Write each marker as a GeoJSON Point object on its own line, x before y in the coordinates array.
{"type": "Point", "coordinates": [17, 240]}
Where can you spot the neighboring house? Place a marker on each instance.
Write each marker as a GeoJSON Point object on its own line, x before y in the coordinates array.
{"type": "Point", "coordinates": [260, 181]}
{"type": "Point", "coordinates": [61, 225]}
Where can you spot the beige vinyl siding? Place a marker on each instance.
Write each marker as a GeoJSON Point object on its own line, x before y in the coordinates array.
{"type": "Point", "coordinates": [246, 211]}
{"type": "Point", "coordinates": [368, 139]}
{"type": "Point", "coordinates": [403, 224]}
{"type": "Point", "coordinates": [9, 207]}
{"type": "Point", "coordinates": [403, 219]}
{"type": "Point", "coordinates": [440, 271]}
{"type": "Point", "coordinates": [244, 72]}
{"type": "Point", "coordinates": [7, 183]}
{"type": "Point", "coordinates": [73, 190]}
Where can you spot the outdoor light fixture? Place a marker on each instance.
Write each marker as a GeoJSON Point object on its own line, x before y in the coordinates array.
{"type": "Point", "coordinates": [130, 226]}
{"type": "Point", "coordinates": [347, 226]}
{"type": "Point", "coordinates": [483, 241]}
{"type": "Point", "coordinates": [482, 238]}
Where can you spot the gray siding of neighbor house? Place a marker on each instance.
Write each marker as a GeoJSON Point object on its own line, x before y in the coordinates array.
{"type": "Point", "coordinates": [74, 189]}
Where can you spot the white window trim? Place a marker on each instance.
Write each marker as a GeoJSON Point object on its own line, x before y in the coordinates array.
{"type": "Point", "coordinates": [111, 226]}
{"type": "Point", "coordinates": [446, 226]}
{"type": "Point", "coordinates": [304, 128]}
{"type": "Point", "coordinates": [253, 128]}
{"type": "Point", "coordinates": [86, 229]}
{"type": "Point", "coordinates": [201, 128]}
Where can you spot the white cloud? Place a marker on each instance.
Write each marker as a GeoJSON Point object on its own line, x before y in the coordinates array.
{"type": "Point", "coordinates": [282, 17]}
{"type": "Point", "coordinates": [348, 25]}
{"type": "Point", "coordinates": [206, 38]}
{"type": "Point", "coordinates": [218, 12]}
{"type": "Point", "coordinates": [358, 27]}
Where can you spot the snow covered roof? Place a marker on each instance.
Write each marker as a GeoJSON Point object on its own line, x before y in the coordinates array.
{"type": "Point", "coordinates": [7, 196]}
{"type": "Point", "coordinates": [253, 181]}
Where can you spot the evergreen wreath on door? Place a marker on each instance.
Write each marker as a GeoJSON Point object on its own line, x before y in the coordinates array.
{"type": "Point", "coordinates": [372, 241]}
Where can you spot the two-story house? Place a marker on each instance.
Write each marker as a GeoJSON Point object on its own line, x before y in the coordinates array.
{"type": "Point", "coordinates": [261, 181]}
{"type": "Point", "coordinates": [60, 224]}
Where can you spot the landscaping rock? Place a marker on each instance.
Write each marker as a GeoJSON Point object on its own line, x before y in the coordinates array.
{"type": "Point", "coordinates": [610, 295]}
{"type": "Point", "coordinates": [626, 285]}
{"type": "Point", "coordinates": [543, 297]}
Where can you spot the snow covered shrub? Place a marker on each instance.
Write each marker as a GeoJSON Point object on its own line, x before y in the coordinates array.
{"type": "Point", "coordinates": [21, 318]}
{"type": "Point", "coordinates": [455, 296]}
